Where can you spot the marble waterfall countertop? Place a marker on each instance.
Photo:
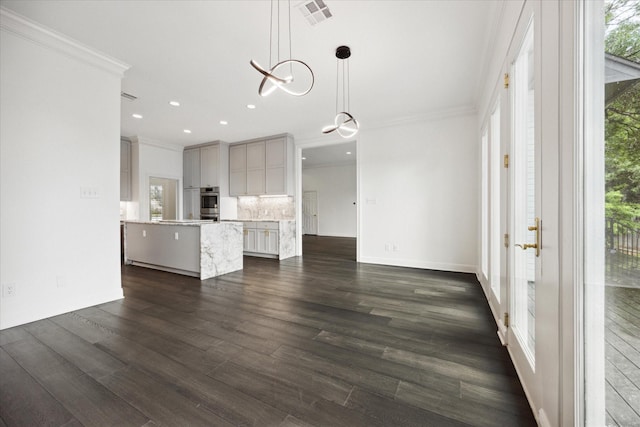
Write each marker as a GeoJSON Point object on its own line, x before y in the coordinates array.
{"type": "Point", "coordinates": [193, 247]}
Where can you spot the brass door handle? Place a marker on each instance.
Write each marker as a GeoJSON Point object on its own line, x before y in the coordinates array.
{"type": "Point", "coordinates": [538, 244]}
{"type": "Point", "coordinates": [527, 246]}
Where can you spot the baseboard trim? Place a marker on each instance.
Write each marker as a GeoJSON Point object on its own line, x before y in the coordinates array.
{"type": "Point", "coordinates": [457, 268]}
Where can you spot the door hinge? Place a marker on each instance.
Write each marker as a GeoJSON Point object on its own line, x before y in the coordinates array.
{"type": "Point", "coordinates": [506, 80]}
{"type": "Point", "coordinates": [506, 240]}
{"type": "Point", "coordinates": [506, 160]}
{"type": "Point", "coordinates": [506, 320]}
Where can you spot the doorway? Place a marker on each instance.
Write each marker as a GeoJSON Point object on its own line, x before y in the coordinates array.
{"type": "Point", "coordinates": [329, 195]}
{"type": "Point", "coordinates": [163, 198]}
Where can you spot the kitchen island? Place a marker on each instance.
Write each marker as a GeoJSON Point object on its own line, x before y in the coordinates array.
{"type": "Point", "coordinates": [201, 249]}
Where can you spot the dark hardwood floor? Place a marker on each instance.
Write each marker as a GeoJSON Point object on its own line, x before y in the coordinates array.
{"type": "Point", "coordinates": [318, 340]}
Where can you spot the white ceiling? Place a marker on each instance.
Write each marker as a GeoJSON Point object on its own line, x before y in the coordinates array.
{"type": "Point", "coordinates": [409, 58]}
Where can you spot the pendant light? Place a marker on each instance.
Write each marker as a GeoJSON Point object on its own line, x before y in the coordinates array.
{"type": "Point", "coordinates": [344, 123]}
{"type": "Point", "coordinates": [280, 75]}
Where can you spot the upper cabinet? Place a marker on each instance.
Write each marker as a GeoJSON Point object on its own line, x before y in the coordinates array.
{"type": "Point", "coordinates": [191, 168]}
{"type": "Point", "coordinates": [210, 166]}
{"type": "Point", "coordinates": [125, 170]}
{"type": "Point", "coordinates": [262, 167]}
{"type": "Point", "coordinates": [238, 170]}
{"type": "Point", "coordinates": [255, 168]}
{"type": "Point", "coordinates": [207, 166]}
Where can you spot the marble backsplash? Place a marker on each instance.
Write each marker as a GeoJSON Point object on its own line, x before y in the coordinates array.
{"type": "Point", "coordinates": [276, 208]}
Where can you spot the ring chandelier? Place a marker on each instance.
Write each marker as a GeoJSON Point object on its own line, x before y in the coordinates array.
{"type": "Point", "coordinates": [271, 80]}
{"type": "Point", "coordinates": [344, 123]}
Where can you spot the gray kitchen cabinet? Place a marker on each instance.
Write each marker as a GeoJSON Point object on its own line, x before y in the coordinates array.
{"type": "Point", "coordinates": [205, 165]}
{"type": "Point", "coordinates": [209, 166]}
{"type": "Point", "coordinates": [261, 238]}
{"type": "Point", "coordinates": [267, 241]}
{"type": "Point", "coordinates": [191, 168]}
{"type": "Point", "coordinates": [276, 166]}
{"type": "Point", "coordinates": [255, 168]}
{"type": "Point", "coordinates": [125, 170]}
{"type": "Point", "coordinates": [262, 167]}
{"type": "Point", "coordinates": [238, 170]}
{"type": "Point", "coordinates": [172, 246]}
{"type": "Point", "coordinates": [249, 240]}
{"type": "Point", "coordinates": [191, 202]}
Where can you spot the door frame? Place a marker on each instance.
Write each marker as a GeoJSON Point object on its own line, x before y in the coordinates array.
{"type": "Point", "coordinates": [322, 142]}
{"type": "Point", "coordinates": [582, 308]}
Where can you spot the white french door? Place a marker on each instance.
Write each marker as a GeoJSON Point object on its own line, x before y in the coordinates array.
{"type": "Point", "coordinates": [532, 276]}
{"type": "Point", "coordinates": [310, 213]}
{"type": "Point", "coordinates": [524, 205]}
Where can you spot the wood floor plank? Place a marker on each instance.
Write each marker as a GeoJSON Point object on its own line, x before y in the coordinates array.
{"type": "Point", "coordinates": [393, 413]}
{"type": "Point", "coordinates": [159, 402]}
{"type": "Point", "coordinates": [85, 356]}
{"type": "Point", "coordinates": [329, 388]}
{"type": "Point", "coordinates": [189, 381]}
{"type": "Point", "coordinates": [23, 401]}
{"type": "Point", "coordinates": [354, 374]}
{"type": "Point", "coordinates": [300, 402]}
{"type": "Point", "coordinates": [81, 395]}
{"type": "Point", "coordinates": [460, 409]}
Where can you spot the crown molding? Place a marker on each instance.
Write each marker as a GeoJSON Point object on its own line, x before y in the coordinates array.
{"type": "Point", "coordinates": [27, 29]}
{"type": "Point", "coordinates": [467, 110]}
{"type": "Point", "coordinates": [140, 140]}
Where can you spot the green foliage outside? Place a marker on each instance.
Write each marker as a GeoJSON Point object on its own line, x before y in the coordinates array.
{"type": "Point", "coordinates": [622, 119]}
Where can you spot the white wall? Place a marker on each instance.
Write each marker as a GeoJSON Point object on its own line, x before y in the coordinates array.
{"type": "Point", "coordinates": [418, 194]}
{"type": "Point", "coordinates": [150, 158]}
{"type": "Point", "coordinates": [337, 192]}
{"type": "Point", "coordinates": [59, 131]}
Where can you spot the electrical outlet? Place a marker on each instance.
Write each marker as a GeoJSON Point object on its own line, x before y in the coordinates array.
{"type": "Point", "coordinates": [61, 282]}
{"type": "Point", "coordinates": [395, 247]}
{"type": "Point", "coordinates": [176, 235]}
{"type": "Point", "coordinates": [144, 233]}
{"type": "Point", "coordinates": [9, 290]}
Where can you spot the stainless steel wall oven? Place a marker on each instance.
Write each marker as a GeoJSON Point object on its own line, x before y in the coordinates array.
{"type": "Point", "coordinates": [210, 203]}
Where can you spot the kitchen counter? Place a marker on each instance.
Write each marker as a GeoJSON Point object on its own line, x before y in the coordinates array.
{"type": "Point", "coordinates": [197, 248]}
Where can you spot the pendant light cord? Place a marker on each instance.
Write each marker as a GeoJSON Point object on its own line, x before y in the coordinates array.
{"type": "Point", "coordinates": [271, 35]}
{"type": "Point", "coordinates": [337, 82]}
{"type": "Point", "coordinates": [290, 55]}
{"type": "Point", "coordinates": [348, 89]}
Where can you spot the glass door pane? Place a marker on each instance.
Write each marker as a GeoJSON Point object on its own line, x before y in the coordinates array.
{"type": "Point", "coordinates": [496, 232]}
{"type": "Point", "coordinates": [523, 269]}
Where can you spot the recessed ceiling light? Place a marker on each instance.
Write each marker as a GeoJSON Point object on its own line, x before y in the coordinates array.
{"type": "Point", "coordinates": [137, 116]}
{"type": "Point", "coordinates": [186, 131]}
{"type": "Point", "coordinates": [304, 158]}
{"type": "Point", "coordinates": [174, 103]}
{"type": "Point", "coordinates": [348, 152]}
{"type": "Point", "coordinates": [251, 106]}
{"type": "Point", "coordinates": [223, 122]}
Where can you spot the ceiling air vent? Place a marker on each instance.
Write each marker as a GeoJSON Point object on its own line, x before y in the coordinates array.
{"type": "Point", "coordinates": [128, 96]}
{"type": "Point", "coordinates": [314, 11]}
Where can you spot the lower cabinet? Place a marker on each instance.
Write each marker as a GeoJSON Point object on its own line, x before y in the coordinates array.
{"type": "Point", "coordinates": [261, 239]}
